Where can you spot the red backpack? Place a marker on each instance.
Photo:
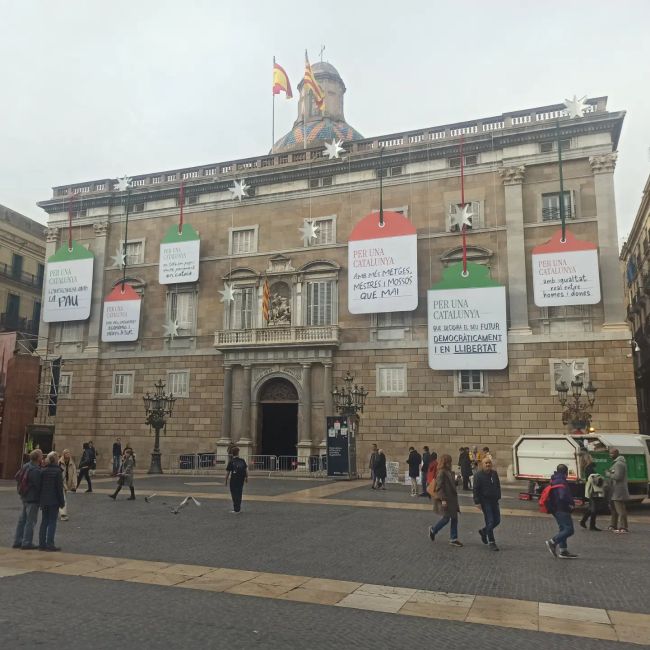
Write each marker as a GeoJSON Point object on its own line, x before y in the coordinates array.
{"type": "Point", "coordinates": [22, 480]}
{"type": "Point", "coordinates": [545, 496]}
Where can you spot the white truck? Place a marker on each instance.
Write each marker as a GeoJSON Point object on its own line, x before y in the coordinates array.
{"type": "Point", "coordinates": [535, 458]}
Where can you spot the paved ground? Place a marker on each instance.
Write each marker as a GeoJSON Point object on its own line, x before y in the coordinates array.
{"type": "Point", "coordinates": [316, 529]}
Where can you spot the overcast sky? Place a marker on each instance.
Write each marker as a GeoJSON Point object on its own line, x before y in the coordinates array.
{"type": "Point", "coordinates": [95, 89]}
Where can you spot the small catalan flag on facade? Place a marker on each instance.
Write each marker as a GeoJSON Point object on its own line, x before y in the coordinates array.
{"type": "Point", "coordinates": [281, 81]}
{"type": "Point", "coordinates": [312, 84]}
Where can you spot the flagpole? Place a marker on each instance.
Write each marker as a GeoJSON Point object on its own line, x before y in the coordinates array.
{"type": "Point", "coordinates": [273, 113]}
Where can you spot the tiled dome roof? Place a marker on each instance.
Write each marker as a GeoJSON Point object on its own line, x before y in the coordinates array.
{"type": "Point", "coordinates": [322, 130]}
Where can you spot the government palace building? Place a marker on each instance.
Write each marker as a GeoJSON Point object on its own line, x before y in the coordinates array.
{"type": "Point", "coordinates": [259, 370]}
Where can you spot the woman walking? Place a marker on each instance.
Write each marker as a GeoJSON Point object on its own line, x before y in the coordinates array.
{"type": "Point", "coordinates": [445, 501]}
{"type": "Point", "coordinates": [380, 469]}
{"type": "Point", "coordinates": [85, 465]}
{"type": "Point", "coordinates": [69, 471]}
{"type": "Point", "coordinates": [125, 475]}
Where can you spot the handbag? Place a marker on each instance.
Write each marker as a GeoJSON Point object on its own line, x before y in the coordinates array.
{"type": "Point", "coordinates": [431, 489]}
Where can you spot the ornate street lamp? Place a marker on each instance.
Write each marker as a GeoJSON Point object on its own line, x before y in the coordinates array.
{"type": "Point", "coordinates": [350, 399]}
{"type": "Point", "coordinates": [576, 410]}
{"type": "Point", "coordinates": [157, 407]}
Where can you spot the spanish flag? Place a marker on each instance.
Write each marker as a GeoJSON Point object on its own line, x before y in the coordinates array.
{"type": "Point", "coordinates": [281, 81]}
{"type": "Point", "coordinates": [312, 84]}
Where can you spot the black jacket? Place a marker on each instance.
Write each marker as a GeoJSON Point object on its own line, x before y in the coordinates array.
{"type": "Point", "coordinates": [380, 466]}
{"type": "Point", "coordinates": [465, 464]}
{"type": "Point", "coordinates": [426, 456]}
{"type": "Point", "coordinates": [413, 461]}
{"type": "Point", "coordinates": [487, 486]}
{"type": "Point", "coordinates": [52, 487]}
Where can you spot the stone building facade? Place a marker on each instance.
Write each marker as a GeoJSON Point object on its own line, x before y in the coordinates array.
{"type": "Point", "coordinates": [268, 386]}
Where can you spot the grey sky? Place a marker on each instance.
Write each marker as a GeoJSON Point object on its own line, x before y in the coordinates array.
{"type": "Point", "coordinates": [94, 89]}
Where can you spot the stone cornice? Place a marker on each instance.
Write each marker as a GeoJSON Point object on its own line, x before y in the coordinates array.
{"type": "Point", "coordinates": [512, 175]}
{"type": "Point", "coordinates": [603, 164]}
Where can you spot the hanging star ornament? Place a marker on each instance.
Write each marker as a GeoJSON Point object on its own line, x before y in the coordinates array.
{"type": "Point", "coordinates": [334, 148]}
{"type": "Point", "coordinates": [309, 231]}
{"type": "Point", "coordinates": [576, 107]}
{"type": "Point", "coordinates": [228, 293]}
{"type": "Point", "coordinates": [570, 372]}
{"type": "Point", "coordinates": [171, 328]}
{"type": "Point", "coordinates": [119, 258]}
{"type": "Point", "coordinates": [240, 190]}
{"type": "Point", "coordinates": [122, 184]}
{"type": "Point", "coordinates": [461, 216]}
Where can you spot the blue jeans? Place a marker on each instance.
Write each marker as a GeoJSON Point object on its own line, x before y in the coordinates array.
{"type": "Point", "coordinates": [492, 516]}
{"type": "Point", "coordinates": [453, 534]}
{"type": "Point", "coordinates": [565, 523]}
{"type": "Point", "coordinates": [25, 528]}
{"type": "Point", "coordinates": [48, 526]}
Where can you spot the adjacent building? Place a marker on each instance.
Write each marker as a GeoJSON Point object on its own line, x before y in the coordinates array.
{"type": "Point", "coordinates": [268, 385]}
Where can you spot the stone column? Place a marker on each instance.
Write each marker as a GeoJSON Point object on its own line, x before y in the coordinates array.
{"type": "Point", "coordinates": [304, 419]}
{"type": "Point", "coordinates": [95, 321]}
{"type": "Point", "coordinates": [51, 239]}
{"type": "Point", "coordinates": [226, 419]}
{"type": "Point", "coordinates": [513, 178]}
{"type": "Point", "coordinates": [328, 402]}
{"type": "Point", "coordinates": [245, 443]}
{"type": "Point", "coordinates": [611, 277]}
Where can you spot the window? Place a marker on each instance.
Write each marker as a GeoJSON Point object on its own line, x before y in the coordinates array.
{"type": "Point", "coordinates": [36, 313]}
{"type": "Point", "coordinates": [13, 309]}
{"type": "Point", "coordinates": [319, 302]}
{"type": "Point", "coordinates": [391, 319]}
{"type": "Point", "coordinates": [242, 309]}
{"type": "Point", "coordinates": [65, 384]}
{"type": "Point", "coordinates": [77, 214]}
{"type": "Point", "coordinates": [391, 380]}
{"type": "Point", "coordinates": [325, 181]}
{"type": "Point", "coordinates": [390, 171]}
{"type": "Point", "coordinates": [134, 251]}
{"type": "Point", "coordinates": [100, 187]}
{"type": "Point", "coordinates": [123, 384]}
{"type": "Point", "coordinates": [182, 309]}
{"type": "Point", "coordinates": [155, 180]}
{"type": "Point", "coordinates": [138, 207]}
{"type": "Point", "coordinates": [566, 369]}
{"type": "Point", "coordinates": [16, 266]}
{"type": "Point", "coordinates": [189, 200]}
{"type": "Point", "coordinates": [470, 160]}
{"type": "Point", "coordinates": [551, 206]}
{"type": "Point", "coordinates": [178, 383]}
{"type": "Point", "coordinates": [548, 147]}
{"type": "Point", "coordinates": [474, 209]}
{"type": "Point", "coordinates": [326, 233]}
{"type": "Point", "coordinates": [471, 381]}
{"type": "Point", "coordinates": [243, 240]}
{"type": "Point", "coordinates": [139, 182]}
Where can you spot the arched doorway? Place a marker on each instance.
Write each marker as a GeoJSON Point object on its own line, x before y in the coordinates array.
{"type": "Point", "coordinates": [278, 404]}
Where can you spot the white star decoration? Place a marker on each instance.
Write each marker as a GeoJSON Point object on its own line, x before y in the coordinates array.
{"type": "Point", "coordinates": [576, 107]}
{"type": "Point", "coordinates": [228, 293]}
{"type": "Point", "coordinates": [122, 184]}
{"type": "Point", "coordinates": [461, 216]}
{"type": "Point", "coordinates": [119, 258]}
{"type": "Point", "coordinates": [240, 190]}
{"type": "Point", "coordinates": [309, 231]}
{"type": "Point", "coordinates": [334, 148]}
{"type": "Point", "coordinates": [569, 372]}
{"type": "Point", "coordinates": [171, 328]}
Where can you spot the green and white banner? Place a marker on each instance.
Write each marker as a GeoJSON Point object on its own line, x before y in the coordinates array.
{"type": "Point", "coordinates": [179, 255]}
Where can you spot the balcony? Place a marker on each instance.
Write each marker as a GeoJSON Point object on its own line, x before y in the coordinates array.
{"type": "Point", "coordinates": [278, 337]}
{"type": "Point", "coordinates": [29, 279]}
{"type": "Point", "coordinates": [12, 323]}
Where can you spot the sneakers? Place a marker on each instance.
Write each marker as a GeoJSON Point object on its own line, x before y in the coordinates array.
{"type": "Point", "coordinates": [493, 546]}
{"type": "Point", "coordinates": [64, 517]}
{"type": "Point", "coordinates": [611, 529]}
{"type": "Point", "coordinates": [432, 535]}
{"type": "Point", "coordinates": [483, 535]}
{"type": "Point", "coordinates": [455, 542]}
{"type": "Point", "coordinates": [565, 555]}
{"type": "Point", "coordinates": [622, 531]}
{"type": "Point", "coordinates": [235, 512]}
{"type": "Point", "coordinates": [552, 547]}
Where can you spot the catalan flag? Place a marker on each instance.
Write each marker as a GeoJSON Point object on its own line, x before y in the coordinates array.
{"type": "Point", "coordinates": [281, 81]}
{"type": "Point", "coordinates": [266, 301]}
{"type": "Point", "coordinates": [312, 84]}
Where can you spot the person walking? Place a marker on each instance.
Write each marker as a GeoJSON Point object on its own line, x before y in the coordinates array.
{"type": "Point", "coordinates": [560, 505]}
{"type": "Point", "coordinates": [125, 475]}
{"type": "Point", "coordinates": [69, 472]}
{"type": "Point", "coordinates": [237, 473]}
{"type": "Point", "coordinates": [619, 493]}
{"type": "Point", "coordinates": [595, 493]}
{"type": "Point", "coordinates": [414, 461]}
{"type": "Point", "coordinates": [426, 457]}
{"type": "Point", "coordinates": [29, 489]}
{"type": "Point", "coordinates": [52, 499]}
{"type": "Point", "coordinates": [465, 464]}
{"type": "Point", "coordinates": [380, 470]}
{"type": "Point", "coordinates": [85, 465]}
{"type": "Point", "coordinates": [445, 502]}
{"type": "Point", "coordinates": [117, 455]}
{"type": "Point", "coordinates": [487, 493]}
{"type": "Point", "coordinates": [371, 464]}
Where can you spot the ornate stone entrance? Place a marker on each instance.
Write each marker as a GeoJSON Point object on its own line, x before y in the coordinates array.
{"type": "Point", "coordinates": [277, 405]}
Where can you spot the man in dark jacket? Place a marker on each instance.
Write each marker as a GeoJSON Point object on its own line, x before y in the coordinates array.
{"type": "Point", "coordinates": [52, 498]}
{"type": "Point", "coordinates": [413, 461]}
{"type": "Point", "coordinates": [85, 465]}
{"type": "Point", "coordinates": [560, 505]}
{"type": "Point", "coordinates": [465, 464]}
{"type": "Point", "coordinates": [117, 455]}
{"type": "Point", "coordinates": [426, 457]}
{"type": "Point", "coordinates": [24, 536]}
{"type": "Point", "coordinates": [487, 492]}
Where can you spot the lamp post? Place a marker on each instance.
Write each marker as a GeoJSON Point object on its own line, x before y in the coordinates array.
{"type": "Point", "coordinates": [351, 398]}
{"type": "Point", "coordinates": [576, 409]}
{"type": "Point", "coordinates": [157, 407]}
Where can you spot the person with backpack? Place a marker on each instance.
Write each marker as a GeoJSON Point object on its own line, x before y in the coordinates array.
{"type": "Point", "coordinates": [557, 500]}
{"type": "Point", "coordinates": [426, 457]}
{"type": "Point", "coordinates": [594, 491]}
{"type": "Point", "coordinates": [445, 502]}
{"type": "Point", "coordinates": [125, 474]}
{"type": "Point", "coordinates": [51, 501]}
{"type": "Point", "coordinates": [413, 461]}
{"type": "Point", "coordinates": [237, 473]}
{"type": "Point", "coordinates": [487, 493]}
{"type": "Point", "coordinates": [85, 465]}
{"type": "Point", "coordinates": [28, 481]}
